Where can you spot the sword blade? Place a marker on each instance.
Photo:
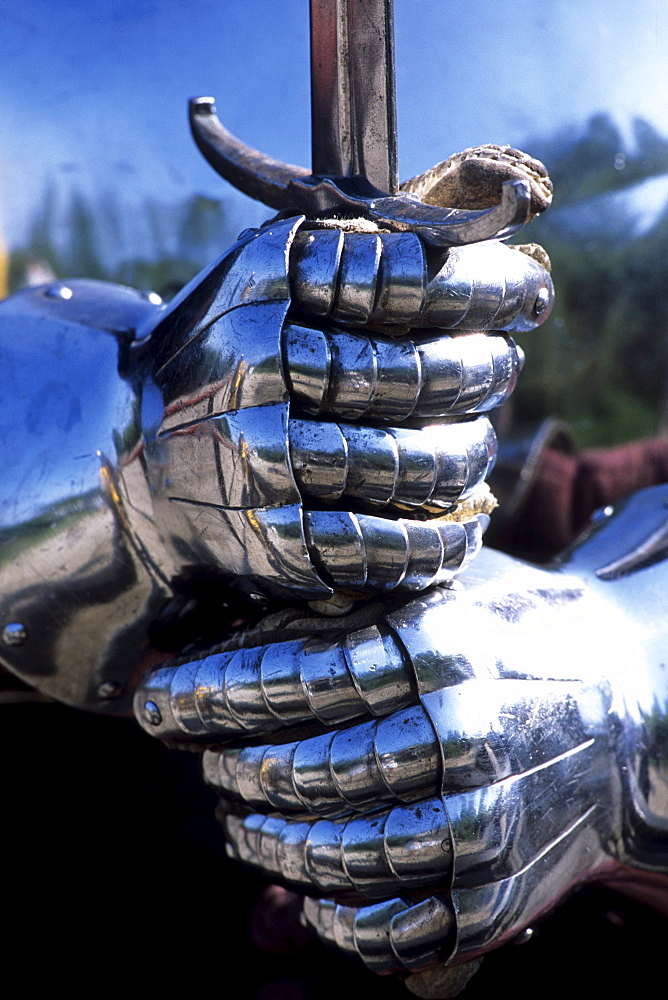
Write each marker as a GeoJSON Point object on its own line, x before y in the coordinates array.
{"type": "Point", "coordinates": [353, 106]}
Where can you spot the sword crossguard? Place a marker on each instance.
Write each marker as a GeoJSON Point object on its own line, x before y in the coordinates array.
{"type": "Point", "coordinates": [289, 188]}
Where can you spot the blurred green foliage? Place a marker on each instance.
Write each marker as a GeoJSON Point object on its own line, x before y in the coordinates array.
{"type": "Point", "coordinates": [157, 247]}
{"type": "Point", "coordinates": [600, 362]}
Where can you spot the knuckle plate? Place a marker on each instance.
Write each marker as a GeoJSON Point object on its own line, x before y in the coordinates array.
{"type": "Point", "coordinates": [228, 468]}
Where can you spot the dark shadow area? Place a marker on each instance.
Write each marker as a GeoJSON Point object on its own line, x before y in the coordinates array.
{"type": "Point", "coordinates": [114, 874]}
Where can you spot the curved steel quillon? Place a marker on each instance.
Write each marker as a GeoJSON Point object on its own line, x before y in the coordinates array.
{"type": "Point", "coordinates": [231, 466]}
{"type": "Point", "coordinates": [487, 766]}
{"type": "Point", "coordinates": [185, 454]}
{"type": "Point", "coordinates": [286, 187]}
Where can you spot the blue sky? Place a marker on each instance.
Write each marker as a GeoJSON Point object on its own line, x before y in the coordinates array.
{"type": "Point", "coordinates": [94, 93]}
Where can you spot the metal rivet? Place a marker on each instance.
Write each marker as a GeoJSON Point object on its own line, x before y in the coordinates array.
{"type": "Point", "coordinates": [109, 689]}
{"type": "Point", "coordinates": [542, 302]}
{"type": "Point", "coordinates": [59, 292]}
{"type": "Point", "coordinates": [152, 713]}
{"type": "Point", "coordinates": [14, 634]}
{"type": "Point", "coordinates": [602, 514]}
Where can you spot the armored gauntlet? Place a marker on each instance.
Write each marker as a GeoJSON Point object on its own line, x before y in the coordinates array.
{"type": "Point", "coordinates": [445, 769]}
{"type": "Point", "coordinates": [302, 457]}
{"type": "Point", "coordinates": [249, 432]}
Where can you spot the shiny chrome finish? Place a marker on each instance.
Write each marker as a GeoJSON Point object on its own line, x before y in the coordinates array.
{"type": "Point", "coordinates": [353, 551]}
{"type": "Point", "coordinates": [405, 935]}
{"type": "Point", "coordinates": [507, 824]}
{"type": "Point", "coordinates": [400, 287]}
{"type": "Point", "coordinates": [14, 634]}
{"type": "Point", "coordinates": [414, 752]}
{"type": "Point", "coordinates": [645, 552]}
{"type": "Point", "coordinates": [393, 758]}
{"type": "Point", "coordinates": [359, 276]}
{"type": "Point", "coordinates": [436, 465]}
{"type": "Point", "coordinates": [334, 371]}
{"type": "Point", "coordinates": [190, 451]}
{"type": "Point", "coordinates": [315, 267]}
{"type": "Point", "coordinates": [215, 415]}
{"type": "Point", "coordinates": [78, 590]}
{"type": "Point", "coordinates": [380, 278]}
{"type": "Point", "coordinates": [238, 460]}
{"type": "Point", "coordinates": [356, 290]}
{"type": "Point", "coordinates": [488, 286]}
{"type": "Point", "coordinates": [518, 752]}
{"type": "Point", "coordinates": [230, 470]}
{"type": "Point", "coordinates": [405, 846]}
{"type": "Point", "coordinates": [266, 688]}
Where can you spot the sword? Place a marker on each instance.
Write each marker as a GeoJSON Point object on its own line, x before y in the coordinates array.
{"type": "Point", "coordinates": [354, 140]}
{"type": "Point", "coordinates": [353, 107]}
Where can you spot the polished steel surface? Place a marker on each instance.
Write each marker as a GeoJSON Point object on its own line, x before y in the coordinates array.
{"type": "Point", "coordinates": [186, 445]}
{"type": "Point", "coordinates": [183, 456]}
{"type": "Point", "coordinates": [286, 683]}
{"type": "Point", "coordinates": [77, 586]}
{"type": "Point", "coordinates": [380, 277]}
{"type": "Point", "coordinates": [353, 113]}
{"type": "Point", "coordinates": [436, 465]}
{"type": "Point", "coordinates": [508, 736]}
{"type": "Point", "coordinates": [362, 551]}
{"type": "Point", "coordinates": [242, 483]}
{"type": "Point", "coordinates": [406, 935]}
{"type": "Point", "coordinates": [336, 371]}
{"type": "Point", "coordinates": [517, 748]}
{"type": "Point", "coordinates": [218, 468]}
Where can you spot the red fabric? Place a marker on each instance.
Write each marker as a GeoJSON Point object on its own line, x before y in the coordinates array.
{"type": "Point", "coordinates": [607, 474]}
{"type": "Point", "coordinates": [569, 488]}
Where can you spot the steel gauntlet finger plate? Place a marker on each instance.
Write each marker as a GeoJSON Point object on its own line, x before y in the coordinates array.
{"type": "Point", "coordinates": [244, 481]}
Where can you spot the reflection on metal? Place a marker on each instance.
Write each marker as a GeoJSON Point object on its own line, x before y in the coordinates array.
{"type": "Point", "coordinates": [152, 714]}
{"type": "Point", "coordinates": [509, 743]}
{"type": "Point", "coordinates": [337, 371]}
{"type": "Point", "coordinates": [14, 634]}
{"type": "Point", "coordinates": [433, 466]}
{"type": "Point", "coordinates": [59, 292]}
{"type": "Point", "coordinates": [378, 278]}
{"type": "Point", "coordinates": [652, 549]}
{"type": "Point", "coordinates": [71, 569]}
{"type": "Point", "coordinates": [237, 482]}
{"type": "Point", "coordinates": [155, 444]}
